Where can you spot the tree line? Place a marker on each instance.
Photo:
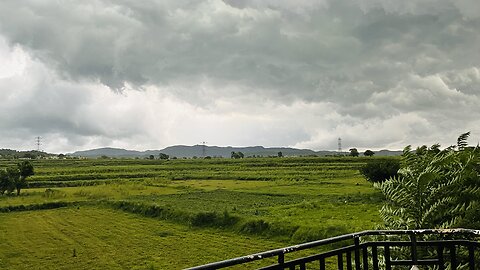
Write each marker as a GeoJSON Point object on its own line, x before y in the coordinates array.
{"type": "Point", "coordinates": [354, 152]}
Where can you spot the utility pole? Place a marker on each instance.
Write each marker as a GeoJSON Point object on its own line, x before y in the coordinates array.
{"type": "Point", "coordinates": [38, 141]}
{"type": "Point", "coordinates": [204, 145]}
{"type": "Point", "coordinates": [340, 146]}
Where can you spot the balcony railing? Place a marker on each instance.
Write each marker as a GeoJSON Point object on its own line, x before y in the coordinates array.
{"type": "Point", "coordinates": [381, 249]}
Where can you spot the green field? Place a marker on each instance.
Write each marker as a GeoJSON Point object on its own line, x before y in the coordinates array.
{"type": "Point", "coordinates": [171, 214]}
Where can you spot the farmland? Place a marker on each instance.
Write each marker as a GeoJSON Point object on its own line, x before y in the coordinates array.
{"type": "Point", "coordinates": [159, 214]}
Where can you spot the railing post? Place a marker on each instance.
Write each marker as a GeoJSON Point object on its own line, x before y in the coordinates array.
{"type": "Point", "coordinates": [375, 257]}
{"type": "Point", "coordinates": [357, 252]}
{"type": "Point", "coordinates": [453, 257]}
{"type": "Point", "coordinates": [322, 263]}
{"type": "Point", "coordinates": [441, 262]}
{"type": "Point", "coordinates": [340, 261]}
{"type": "Point", "coordinates": [413, 238]}
{"type": "Point", "coordinates": [349, 260]}
{"type": "Point", "coordinates": [281, 260]}
{"type": "Point", "coordinates": [471, 256]}
{"type": "Point", "coordinates": [365, 258]}
{"type": "Point", "coordinates": [388, 265]}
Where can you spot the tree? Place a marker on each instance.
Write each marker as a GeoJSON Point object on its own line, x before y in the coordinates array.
{"type": "Point", "coordinates": [280, 154]}
{"type": "Point", "coordinates": [237, 155]}
{"type": "Point", "coordinates": [368, 153]}
{"type": "Point", "coordinates": [163, 156]}
{"type": "Point", "coordinates": [151, 157]}
{"type": "Point", "coordinates": [6, 183]}
{"type": "Point", "coordinates": [433, 189]}
{"type": "Point", "coordinates": [353, 152]}
{"type": "Point", "coordinates": [29, 155]}
{"type": "Point", "coordinates": [380, 170]}
{"type": "Point", "coordinates": [25, 169]}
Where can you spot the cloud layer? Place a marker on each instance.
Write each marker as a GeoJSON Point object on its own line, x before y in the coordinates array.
{"type": "Point", "coordinates": [147, 74]}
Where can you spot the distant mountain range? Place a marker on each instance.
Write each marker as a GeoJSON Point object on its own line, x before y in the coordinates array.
{"type": "Point", "coordinates": [181, 151]}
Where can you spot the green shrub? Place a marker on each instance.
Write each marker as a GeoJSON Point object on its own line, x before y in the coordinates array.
{"type": "Point", "coordinates": [213, 219]}
{"type": "Point", "coordinates": [380, 170]}
{"type": "Point", "coordinates": [30, 207]}
{"type": "Point", "coordinates": [255, 226]}
{"type": "Point", "coordinates": [53, 193]}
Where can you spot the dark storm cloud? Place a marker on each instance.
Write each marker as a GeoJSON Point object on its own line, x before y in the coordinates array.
{"type": "Point", "coordinates": [373, 62]}
{"type": "Point", "coordinates": [311, 50]}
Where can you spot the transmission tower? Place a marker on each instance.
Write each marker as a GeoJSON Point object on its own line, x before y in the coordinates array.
{"type": "Point", "coordinates": [38, 141]}
{"type": "Point", "coordinates": [340, 145]}
{"type": "Point", "coordinates": [204, 145]}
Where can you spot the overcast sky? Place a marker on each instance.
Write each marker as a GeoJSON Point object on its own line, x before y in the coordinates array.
{"type": "Point", "coordinates": [301, 73]}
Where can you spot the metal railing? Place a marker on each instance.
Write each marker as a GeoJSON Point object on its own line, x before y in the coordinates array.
{"type": "Point", "coordinates": [380, 249]}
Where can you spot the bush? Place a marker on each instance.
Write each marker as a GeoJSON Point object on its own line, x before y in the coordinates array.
{"type": "Point", "coordinates": [434, 188]}
{"type": "Point", "coordinates": [213, 219]}
{"type": "Point", "coordinates": [254, 226]}
{"type": "Point", "coordinates": [30, 207]}
{"type": "Point", "coordinates": [380, 170]}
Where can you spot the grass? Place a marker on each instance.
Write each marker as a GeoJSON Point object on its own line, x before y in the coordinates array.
{"type": "Point", "coordinates": [106, 239]}
{"type": "Point", "coordinates": [84, 193]}
{"type": "Point", "coordinates": [217, 205]}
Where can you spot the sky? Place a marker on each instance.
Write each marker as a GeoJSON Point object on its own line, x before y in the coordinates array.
{"type": "Point", "coordinates": [379, 74]}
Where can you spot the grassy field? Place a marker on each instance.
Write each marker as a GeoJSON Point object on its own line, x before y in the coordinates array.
{"type": "Point", "coordinates": [159, 214]}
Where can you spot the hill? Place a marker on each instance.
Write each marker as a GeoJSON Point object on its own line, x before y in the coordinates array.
{"type": "Point", "coordinates": [8, 153]}
{"type": "Point", "coordinates": [108, 151]}
{"type": "Point", "coordinates": [181, 151]}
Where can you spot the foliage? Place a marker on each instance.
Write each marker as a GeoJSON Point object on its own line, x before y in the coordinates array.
{"type": "Point", "coordinates": [14, 177]}
{"type": "Point", "coordinates": [6, 182]}
{"type": "Point", "coordinates": [30, 207]}
{"type": "Point", "coordinates": [380, 170]}
{"type": "Point", "coordinates": [368, 153]}
{"type": "Point", "coordinates": [434, 189]}
{"type": "Point", "coordinates": [354, 152]}
{"type": "Point", "coordinates": [8, 153]}
{"type": "Point", "coordinates": [163, 156]}
{"type": "Point", "coordinates": [25, 169]}
{"type": "Point", "coordinates": [237, 155]}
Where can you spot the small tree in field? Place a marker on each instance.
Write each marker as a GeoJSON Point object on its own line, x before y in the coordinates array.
{"type": "Point", "coordinates": [237, 155]}
{"type": "Point", "coordinates": [12, 175]}
{"type": "Point", "coordinates": [25, 169]}
{"type": "Point", "coordinates": [354, 152]}
{"type": "Point", "coordinates": [6, 182]}
{"type": "Point", "coordinates": [368, 153]}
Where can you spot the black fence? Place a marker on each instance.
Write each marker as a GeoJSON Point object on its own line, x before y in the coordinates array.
{"type": "Point", "coordinates": [381, 249]}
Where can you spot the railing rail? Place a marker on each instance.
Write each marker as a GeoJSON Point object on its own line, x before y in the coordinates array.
{"type": "Point", "coordinates": [363, 253]}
